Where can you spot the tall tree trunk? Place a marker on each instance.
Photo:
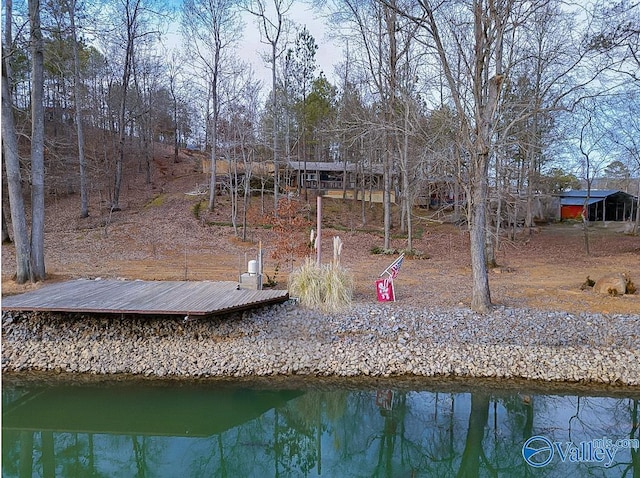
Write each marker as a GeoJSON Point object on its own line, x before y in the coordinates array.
{"type": "Point", "coordinates": [303, 140]}
{"type": "Point", "coordinates": [12, 163]}
{"type": "Point", "coordinates": [391, 83]}
{"type": "Point", "coordinates": [408, 197]}
{"type": "Point", "coordinates": [6, 238]}
{"type": "Point", "coordinates": [175, 124]}
{"type": "Point", "coordinates": [585, 207]}
{"type": "Point", "coordinates": [499, 200]}
{"type": "Point", "coordinates": [344, 173]}
{"type": "Point", "coordinates": [131, 22]}
{"type": "Point", "coordinates": [481, 298]}
{"type": "Point", "coordinates": [84, 201]}
{"type": "Point", "coordinates": [636, 228]}
{"type": "Point", "coordinates": [37, 143]}
{"type": "Point", "coordinates": [490, 241]}
{"type": "Point", "coordinates": [246, 195]}
{"type": "Point", "coordinates": [148, 154]}
{"type": "Point", "coordinates": [213, 185]}
{"type": "Point", "coordinates": [363, 192]}
{"type": "Point", "coordinates": [214, 131]}
{"type": "Point", "coordinates": [488, 25]}
{"type": "Point", "coordinates": [276, 167]}
{"type": "Point", "coordinates": [233, 180]}
{"type": "Point", "coordinates": [115, 205]}
{"type": "Point", "coordinates": [386, 193]}
{"type": "Point", "coordinates": [532, 155]}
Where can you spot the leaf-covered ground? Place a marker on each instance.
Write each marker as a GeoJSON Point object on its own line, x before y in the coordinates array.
{"type": "Point", "coordinates": [161, 234]}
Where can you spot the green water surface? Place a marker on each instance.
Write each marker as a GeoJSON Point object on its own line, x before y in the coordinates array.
{"type": "Point", "coordinates": [374, 429]}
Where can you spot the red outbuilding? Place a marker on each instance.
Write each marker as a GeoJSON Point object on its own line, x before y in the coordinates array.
{"type": "Point", "coordinates": [601, 204]}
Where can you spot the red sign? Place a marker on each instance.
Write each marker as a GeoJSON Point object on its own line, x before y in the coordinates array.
{"type": "Point", "coordinates": [384, 289]}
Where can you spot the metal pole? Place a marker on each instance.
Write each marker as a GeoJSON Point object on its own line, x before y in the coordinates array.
{"type": "Point", "coordinates": [319, 227]}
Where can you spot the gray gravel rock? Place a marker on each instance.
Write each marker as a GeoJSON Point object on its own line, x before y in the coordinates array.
{"type": "Point", "coordinates": [368, 339]}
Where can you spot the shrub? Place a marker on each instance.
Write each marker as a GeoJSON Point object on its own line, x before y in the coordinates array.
{"type": "Point", "coordinates": [327, 287]}
{"type": "Point", "coordinates": [410, 253]}
{"type": "Point", "coordinates": [291, 229]}
{"type": "Point", "coordinates": [272, 281]}
{"type": "Point", "coordinates": [156, 201]}
{"type": "Point", "coordinates": [383, 251]}
{"type": "Point", "coordinates": [197, 209]}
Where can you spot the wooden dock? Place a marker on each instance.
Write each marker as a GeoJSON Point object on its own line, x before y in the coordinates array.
{"type": "Point", "coordinates": [190, 299]}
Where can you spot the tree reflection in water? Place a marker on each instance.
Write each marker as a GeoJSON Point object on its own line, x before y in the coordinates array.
{"type": "Point", "coordinates": [187, 430]}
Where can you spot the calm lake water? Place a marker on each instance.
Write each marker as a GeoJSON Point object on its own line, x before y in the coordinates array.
{"type": "Point", "coordinates": [386, 428]}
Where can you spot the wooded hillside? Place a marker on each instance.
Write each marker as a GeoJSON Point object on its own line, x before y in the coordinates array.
{"type": "Point", "coordinates": [481, 107]}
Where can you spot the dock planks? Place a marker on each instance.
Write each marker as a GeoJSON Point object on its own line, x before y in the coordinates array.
{"type": "Point", "coordinates": [142, 297]}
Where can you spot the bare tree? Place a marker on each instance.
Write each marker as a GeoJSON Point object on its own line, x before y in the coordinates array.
{"type": "Point", "coordinates": [29, 256]}
{"type": "Point", "coordinates": [249, 143]}
{"type": "Point", "coordinates": [132, 13]}
{"type": "Point", "coordinates": [410, 149]}
{"type": "Point", "coordinates": [211, 27]}
{"type": "Point", "coordinates": [37, 142]}
{"type": "Point", "coordinates": [272, 23]}
{"type": "Point", "coordinates": [616, 35]}
{"type": "Point", "coordinates": [136, 17]}
{"type": "Point", "coordinates": [239, 120]}
{"type": "Point", "coordinates": [150, 108]}
{"type": "Point", "coordinates": [476, 103]}
{"type": "Point", "coordinates": [537, 53]}
{"type": "Point", "coordinates": [174, 70]}
{"type": "Point", "coordinates": [12, 160]}
{"type": "Point", "coordinates": [592, 144]}
{"type": "Point", "coordinates": [381, 38]}
{"type": "Point", "coordinates": [72, 7]}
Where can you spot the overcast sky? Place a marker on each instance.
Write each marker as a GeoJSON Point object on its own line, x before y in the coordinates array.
{"type": "Point", "coordinates": [250, 48]}
{"type": "Point", "coordinates": [302, 15]}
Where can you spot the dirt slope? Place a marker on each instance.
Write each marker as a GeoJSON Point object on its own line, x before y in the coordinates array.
{"type": "Point", "coordinates": [157, 236]}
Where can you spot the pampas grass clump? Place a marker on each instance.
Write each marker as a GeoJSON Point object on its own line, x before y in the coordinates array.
{"type": "Point", "coordinates": [305, 283]}
{"type": "Point", "coordinates": [338, 287]}
{"type": "Point", "coordinates": [328, 287]}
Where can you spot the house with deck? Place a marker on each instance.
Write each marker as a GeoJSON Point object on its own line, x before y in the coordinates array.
{"type": "Point", "coordinates": [335, 179]}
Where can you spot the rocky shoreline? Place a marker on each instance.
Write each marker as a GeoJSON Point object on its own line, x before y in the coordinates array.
{"type": "Point", "coordinates": [374, 340]}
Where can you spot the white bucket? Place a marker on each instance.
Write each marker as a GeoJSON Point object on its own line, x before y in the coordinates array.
{"type": "Point", "coordinates": [253, 267]}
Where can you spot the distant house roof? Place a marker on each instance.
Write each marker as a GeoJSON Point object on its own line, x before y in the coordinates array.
{"type": "Point", "coordinates": [594, 193]}
{"type": "Point", "coordinates": [577, 201]}
{"type": "Point", "coordinates": [335, 167]}
{"type": "Point", "coordinates": [577, 197]}
{"type": "Point", "coordinates": [321, 166]}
